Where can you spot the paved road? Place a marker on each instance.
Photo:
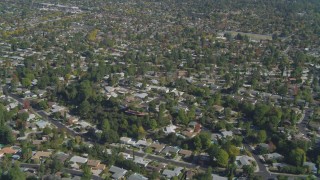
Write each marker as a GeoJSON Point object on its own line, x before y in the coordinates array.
{"type": "Point", "coordinates": [56, 123]}
{"type": "Point", "coordinates": [162, 159]}
{"type": "Point", "coordinates": [263, 171]}
{"type": "Point", "coordinates": [70, 171]}
{"type": "Point", "coordinates": [129, 151]}
{"type": "Point", "coordinates": [43, 115]}
{"type": "Point", "coordinates": [303, 124]}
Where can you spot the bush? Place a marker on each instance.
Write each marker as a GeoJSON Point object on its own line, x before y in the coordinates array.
{"type": "Point", "coordinates": [293, 170]}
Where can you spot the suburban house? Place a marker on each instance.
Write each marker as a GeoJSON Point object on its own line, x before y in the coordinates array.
{"type": "Point", "coordinates": [72, 119]}
{"type": "Point", "coordinates": [273, 156]}
{"type": "Point", "coordinates": [117, 173]}
{"type": "Point", "coordinates": [62, 157]}
{"type": "Point", "coordinates": [141, 161]}
{"type": "Point", "coordinates": [226, 134]}
{"type": "Point", "coordinates": [12, 106]}
{"type": "Point", "coordinates": [170, 129]}
{"type": "Point", "coordinates": [185, 153]}
{"type": "Point", "coordinates": [172, 173]}
{"type": "Point", "coordinates": [136, 176]}
{"type": "Point", "coordinates": [312, 167]}
{"type": "Point", "coordinates": [76, 160]}
{"type": "Point", "coordinates": [55, 108]}
{"type": "Point", "coordinates": [156, 167]}
{"type": "Point", "coordinates": [42, 124]}
{"type": "Point", "coordinates": [218, 109]}
{"type": "Point", "coordinates": [41, 155]}
{"type": "Point", "coordinates": [169, 150]}
{"type": "Point", "coordinates": [96, 166]}
{"type": "Point", "coordinates": [125, 155]}
{"type": "Point", "coordinates": [193, 129]}
{"type": "Point", "coordinates": [157, 148]}
{"type": "Point", "coordinates": [142, 143]}
{"type": "Point", "coordinates": [243, 160]}
{"type": "Point", "coordinates": [126, 140]}
{"type": "Point", "coordinates": [8, 150]}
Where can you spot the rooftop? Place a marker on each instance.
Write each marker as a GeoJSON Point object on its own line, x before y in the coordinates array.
{"type": "Point", "coordinates": [117, 173]}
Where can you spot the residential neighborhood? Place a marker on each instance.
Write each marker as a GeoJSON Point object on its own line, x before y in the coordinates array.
{"type": "Point", "coordinates": [167, 89]}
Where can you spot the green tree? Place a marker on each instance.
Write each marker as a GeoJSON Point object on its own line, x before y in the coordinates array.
{"type": "Point", "coordinates": [43, 105]}
{"type": "Point", "coordinates": [6, 136]}
{"type": "Point", "coordinates": [86, 90]}
{"type": "Point", "coordinates": [222, 158]}
{"type": "Point", "coordinates": [92, 35]}
{"type": "Point", "coordinates": [233, 150]}
{"type": "Point", "coordinates": [182, 117]}
{"type": "Point", "coordinates": [86, 173]}
{"type": "Point", "coordinates": [197, 143]}
{"type": "Point", "coordinates": [26, 82]}
{"type": "Point", "coordinates": [248, 170]}
{"type": "Point", "coordinates": [105, 125]}
{"type": "Point", "coordinates": [55, 165]}
{"type": "Point", "coordinates": [141, 132]}
{"type": "Point", "coordinates": [297, 157]}
{"type": "Point", "coordinates": [14, 174]}
{"type": "Point", "coordinates": [261, 136]}
{"type": "Point", "coordinates": [205, 139]}
{"type": "Point", "coordinates": [84, 108]}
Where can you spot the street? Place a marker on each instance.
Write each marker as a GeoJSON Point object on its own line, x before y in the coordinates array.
{"type": "Point", "coordinates": [263, 171]}
{"type": "Point", "coordinates": [303, 124]}
{"type": "Point", "coordinates": [129, 151]}
{"type": "Point", "coordinates": [70, 171]}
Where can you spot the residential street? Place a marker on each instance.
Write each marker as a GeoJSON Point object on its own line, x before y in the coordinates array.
{"type": "Point", "coordinates": [71, 171]}
{"type": "Point", "coordinates": [262, 168]}
{"type": "Point", "coordinates": [303, 124]}
{"type": "Point", "coordinates": [129, 151]}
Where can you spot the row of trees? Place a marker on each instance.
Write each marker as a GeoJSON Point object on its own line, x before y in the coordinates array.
{"type": "Point", "coordinates": [6, 136]}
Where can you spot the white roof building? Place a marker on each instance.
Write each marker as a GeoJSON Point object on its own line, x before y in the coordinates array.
{"type": "Point", "coordinates": [117, 173]}
{"type": "Point", "coordinates": [171, 173]}
{"type": "Point", "coordinates": [170, 129]}
{"type": "Point", "coordinates": [141, 161]}
{"type": "Point", "coordinates": [244, 160]}
{"type": "Point", "coordinates": [78, 159]}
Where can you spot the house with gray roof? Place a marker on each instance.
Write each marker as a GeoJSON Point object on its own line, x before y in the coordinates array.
{"type": "Point", "coordinates": [169, 150]}
{"type": "Point", "coordinates": [137, 176]}
{"type": "Point", "coordinates": [125, 140]}
{"type": "Point", "coordinates": [243, 160]}
{"type": "Point", "coordinates": [217, 177]}
{"type": "Point", "coordinates": [273, 156]}
{"type": "Point", "coordinates": [312, 166]}
{"type": "Point", "coordinates": [78, 159]}
{"type": "Point", "coordinates": [171, 173]}
{"type": "Point", "coordinates": [157, 148]}
{"type": "Point", "coordinates": [42, 124]}
{"type": "Point", "coordinates": [142, 143]}
{"type": "Point", "coordinates": [117, 173]}
{"type": "Point", "coordinates": [225, 133]}
{"type": "Point", "coordinates": [141, 161]}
